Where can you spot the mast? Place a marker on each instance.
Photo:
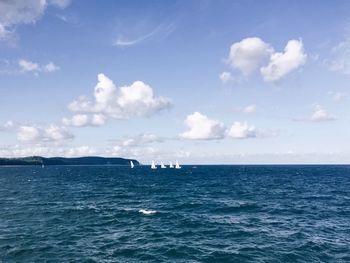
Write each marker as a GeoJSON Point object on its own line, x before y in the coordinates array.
{"type": "Point", "coordinates": [153, 166]}
{"type": "Point", "coordinates": [162, 165]}
{"type": "Point", "coordinates": [177, 165]}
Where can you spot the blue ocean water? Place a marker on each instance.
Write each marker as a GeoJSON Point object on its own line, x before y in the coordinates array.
{"type": "Point", "coordinates": [196, 214]}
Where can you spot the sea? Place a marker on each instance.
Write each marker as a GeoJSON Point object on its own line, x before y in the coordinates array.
{"type": "Point", "coordinates": [219, 213]}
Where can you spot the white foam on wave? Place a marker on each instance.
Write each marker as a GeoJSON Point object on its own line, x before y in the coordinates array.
{"type": "Point", "coordinates": [147, 212]}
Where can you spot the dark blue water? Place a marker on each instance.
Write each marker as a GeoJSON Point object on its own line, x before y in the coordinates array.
{"type": "Point", "coordinates": [203, 214]}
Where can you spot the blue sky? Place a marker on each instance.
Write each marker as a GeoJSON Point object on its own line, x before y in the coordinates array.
{"type": "Point", "coordinates": [197, 81]}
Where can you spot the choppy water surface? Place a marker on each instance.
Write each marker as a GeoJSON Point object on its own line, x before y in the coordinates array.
{"type": "Point", "coordinates": [196, 214]}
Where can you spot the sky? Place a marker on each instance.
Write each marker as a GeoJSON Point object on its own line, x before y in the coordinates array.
{"type": "Point", "coordinates": [202, 82]}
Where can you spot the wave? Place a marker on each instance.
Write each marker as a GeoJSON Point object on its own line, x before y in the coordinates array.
{"type": "Point", "coordinates": [147, 212]}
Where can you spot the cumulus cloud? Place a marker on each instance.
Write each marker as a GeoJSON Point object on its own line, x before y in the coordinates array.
{"type": "Point", "coordinates": [248, 54]}
{"type": "Point", "coordinates": [28, 133]}
{"type": "Point", "coordinates": [202, 128]}
{"type": "Point", "coordinates": [241, 130]}
{"type": "Point", "coordinates": [253, 53]}
{"type": "Point", "coordinates": [321, 114]}
{"type": "Point", "coordinates": [29, 66]}
{"type": "Point", "coordinates": [83, 120]}
{"type": "Point", "coordinates": [121, 103]}
{"type": "Point", "coordinates": [225, 76]}
{"type": "Point", "coordinates": [283, 63]}
{"type": "Point", "coordinates": [16, 12]}
{"type": "Point", "coordinates": [98, 120]}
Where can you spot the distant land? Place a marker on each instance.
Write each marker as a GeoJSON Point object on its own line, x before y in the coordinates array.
{"type": "Point", "coordinates": [88, 160]}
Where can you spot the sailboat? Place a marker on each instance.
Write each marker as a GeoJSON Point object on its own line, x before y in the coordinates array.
{"type": "Point", "coordinates": [132, 164]}
{"type": "Point", "coordinates": [171, 165]}
{"type": "Point", "coordinates": [162, 165]}
{"type": "Point", "coordinates": [177, 165]}
{"type": "Point", "coordinates": [153, 166]}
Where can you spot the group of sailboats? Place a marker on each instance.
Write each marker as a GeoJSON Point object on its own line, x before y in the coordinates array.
{"type": "Point", "coordinates": [162, 166]}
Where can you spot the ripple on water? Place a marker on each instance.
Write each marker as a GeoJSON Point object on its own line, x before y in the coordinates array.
{"type": "Point", "coordinates": [206, 214]}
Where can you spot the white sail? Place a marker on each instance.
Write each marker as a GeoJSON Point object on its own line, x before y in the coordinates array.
{"type": "Point", "coordinates": [153, 166]}
{"type": "Point", "coordinates": [132, 164]}
{"type": "Point", "coordinates": [162, 165]}
{"type": "Point", "coordinates": [177, 165]}
{"type": "Point", "coordinates": [171, 165]}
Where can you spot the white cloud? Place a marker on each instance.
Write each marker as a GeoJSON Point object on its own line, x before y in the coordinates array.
{"type": "Point", "coordinates": [60, 3]}
{"type": "Point", "coordinates": [83, 120]}
{"type": "Point", "coordinates": [321, 114]}
{"type": "Point", "coordinates": [7, 126]}
{"type": "Point", "coordinates": [26, 65]}
{"type": "Point", "coordinates": [249, 109]}
{"type": "Point", "coordinates": [121, 103]}
{"type": "Point", "coordinates": [4, 33]}
{"type": "Point", "coordinates": [29, 66]}
{"type": "Point", "coordinates": [241, 130]}
{"type": "Point", "coordinates": [79, 151]}
{"type": "Point", "coordinates": [98, 120]}
{"type": "Point", "coordinates": [27, 133]}
{"type": "Point", "coordinates": [19, 11]}
{"type": "Point", "coordinates": [340, 58]}
{"type": "Point", "coordinates": [248, 54]}
{"type": "Point", "coordinates": [132, 36]}
{"type": "Point", "coordinates": [141, 139]}
{"type": "Point", "coordinates": [337, 96]}
{"type": "Point", "coordinates": [182, 154]}
{"type": "Point", "coordinates": [202, 128]}
{"type": "Point", "coordinates": [16, 12]}
{"type": "Point", "coordinates": [56, 133]}
{"type": "Point", "coordinates": [21, 150]}
{"type": "Point", "coordinates": [225, 77]}
{"type": "Point", "coordinates": [78, 120]}
{"type": "Point", "coordinates": [252, 53]}
{"type": "Point", "coordinates": [147, 154]}
{"type": "Point", "coordinates": [51, 67]}
{"type": "Point", "coordinates": [133, 152]}
{"type": "Point", "coordinates": [124, 42]}
{"type": "Point", "coordinates": [283, 63]}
